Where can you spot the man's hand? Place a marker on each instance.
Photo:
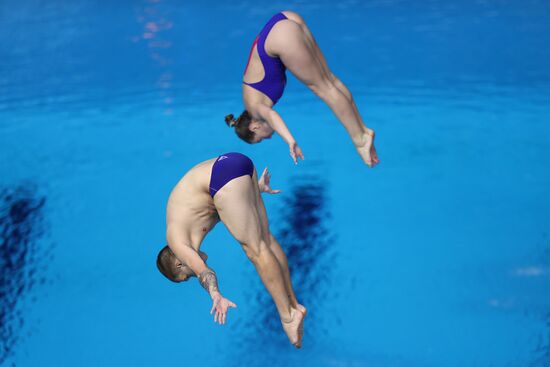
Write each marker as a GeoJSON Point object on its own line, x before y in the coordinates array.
{"type": "Point", "coordinates": [263, 183]}
{"type": "Point", "coordinates": [295, 152]}
{"type": "Point", "coordinates": [221, 305]}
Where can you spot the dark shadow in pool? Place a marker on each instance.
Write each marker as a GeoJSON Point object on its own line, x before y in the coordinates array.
{"type": "Point", "coordinates": [21, 226]}
{"type": "Point", "coordinates": [302, 228]}
{"type": "Point", "coordinates": [542, 350]}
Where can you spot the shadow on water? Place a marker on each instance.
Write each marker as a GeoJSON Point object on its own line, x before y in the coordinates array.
{"type": "Point", "coordinates": [544, 348]}
{"type": "Point", "coordinates": [21, 226]}
{"type": "Point", "coordinates": [302, 228]}
{"type": "Point", "coordinates": [542, 351]}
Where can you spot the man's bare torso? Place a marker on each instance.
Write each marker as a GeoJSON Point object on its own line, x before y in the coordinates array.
{"type": "Point", "coordinates": [190, 212]}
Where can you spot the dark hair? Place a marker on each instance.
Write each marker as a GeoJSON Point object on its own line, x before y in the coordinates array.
{"type": "Point", "coordinates": [166, 264]}
{"type": "Point", "coordinates": [241, 126]}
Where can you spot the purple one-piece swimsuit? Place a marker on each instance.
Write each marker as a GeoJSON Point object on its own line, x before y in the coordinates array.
{"type": "Point", "coordinates": [274, 81]}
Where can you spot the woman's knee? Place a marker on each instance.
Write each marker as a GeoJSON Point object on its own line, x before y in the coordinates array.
{"type": "Point", "coordinates": [326, 90]}
{"type": "Point", "coordinates": [342, 87]}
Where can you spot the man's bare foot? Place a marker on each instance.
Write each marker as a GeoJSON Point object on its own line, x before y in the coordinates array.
{"type": "Point", "coordinates": [292, 327]}
{"type": "Point", "coordinates": [365, 148]}
{"type": "Point", "coordinates": [301, 308]}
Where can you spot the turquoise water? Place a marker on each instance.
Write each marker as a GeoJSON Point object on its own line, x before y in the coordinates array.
{"type": "Point", "coordinates": [438, 257]}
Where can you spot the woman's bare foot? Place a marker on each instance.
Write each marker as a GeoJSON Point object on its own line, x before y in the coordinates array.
{"type": "Point", "coordinates": [293, 326]}
{"type": "Point", "coordinates": [365, 148]}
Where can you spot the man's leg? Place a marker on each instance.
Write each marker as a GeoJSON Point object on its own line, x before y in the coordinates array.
{"type": "Point", "coordinates": [275, 247]}
{"type": "Point", "coordinates": [236, 204]}
{"type": "Point", "coordinates": [283, 263]}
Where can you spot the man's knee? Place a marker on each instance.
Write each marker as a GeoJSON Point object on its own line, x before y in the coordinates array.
{"type": "Point", "coordinates": [254, 251]}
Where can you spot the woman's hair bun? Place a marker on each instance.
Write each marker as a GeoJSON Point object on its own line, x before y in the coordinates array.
{"type": "Point", "coordinates": [230, 120]}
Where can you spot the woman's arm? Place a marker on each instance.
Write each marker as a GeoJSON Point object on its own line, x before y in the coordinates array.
{"type": "Point", "coordinates": [277, 123]}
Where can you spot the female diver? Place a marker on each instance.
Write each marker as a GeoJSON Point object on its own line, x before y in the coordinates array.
{"type": "Point", "coordinates": [286, 42]}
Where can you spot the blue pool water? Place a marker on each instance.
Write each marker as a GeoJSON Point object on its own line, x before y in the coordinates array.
{"type": "Point", "coordinates": [438, 257]}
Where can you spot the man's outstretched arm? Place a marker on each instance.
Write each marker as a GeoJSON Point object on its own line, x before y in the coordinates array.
{"type": "Point", "coordinates": [207, 279]}
{"type": "Point", "coordinates": [263, 183]}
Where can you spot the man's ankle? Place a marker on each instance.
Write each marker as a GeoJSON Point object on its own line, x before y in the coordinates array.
{"type": "Point", "coordinates": [287, 319]}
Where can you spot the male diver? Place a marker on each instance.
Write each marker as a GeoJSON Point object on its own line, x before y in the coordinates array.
{"type": "Point", "coordinates": [227, 189]}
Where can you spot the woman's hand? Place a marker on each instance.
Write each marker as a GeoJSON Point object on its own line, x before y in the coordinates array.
{"type": "Point", "coordinates": [221, 305]}
{"type": "Point", "coordinates": [270, 116]}
{"type": "Point", "coordinates": [263, 183]}
{"type": "Point", "coordinates": [295, 152]}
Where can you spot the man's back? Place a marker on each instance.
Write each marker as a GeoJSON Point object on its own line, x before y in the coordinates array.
{"type": "Point", "coordinates": [190, 212]}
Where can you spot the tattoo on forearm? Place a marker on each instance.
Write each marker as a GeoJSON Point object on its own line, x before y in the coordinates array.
{"type": "Point", "coordinates": [209, 281]}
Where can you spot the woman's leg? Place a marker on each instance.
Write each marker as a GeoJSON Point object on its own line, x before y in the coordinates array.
{"type": "Point", "coordinates": [294, 44]}
{"type": "Point", "coordinates": [337, 82]}
{"type": "Point", "coordinates": [311, 40]}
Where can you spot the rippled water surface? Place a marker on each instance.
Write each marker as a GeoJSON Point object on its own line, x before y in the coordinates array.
{"type": "Point", "coordinates": [438, 257]}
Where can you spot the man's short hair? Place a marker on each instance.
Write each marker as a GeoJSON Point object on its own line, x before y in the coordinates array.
{"type": "Point", "coordinates": [167, 265]}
